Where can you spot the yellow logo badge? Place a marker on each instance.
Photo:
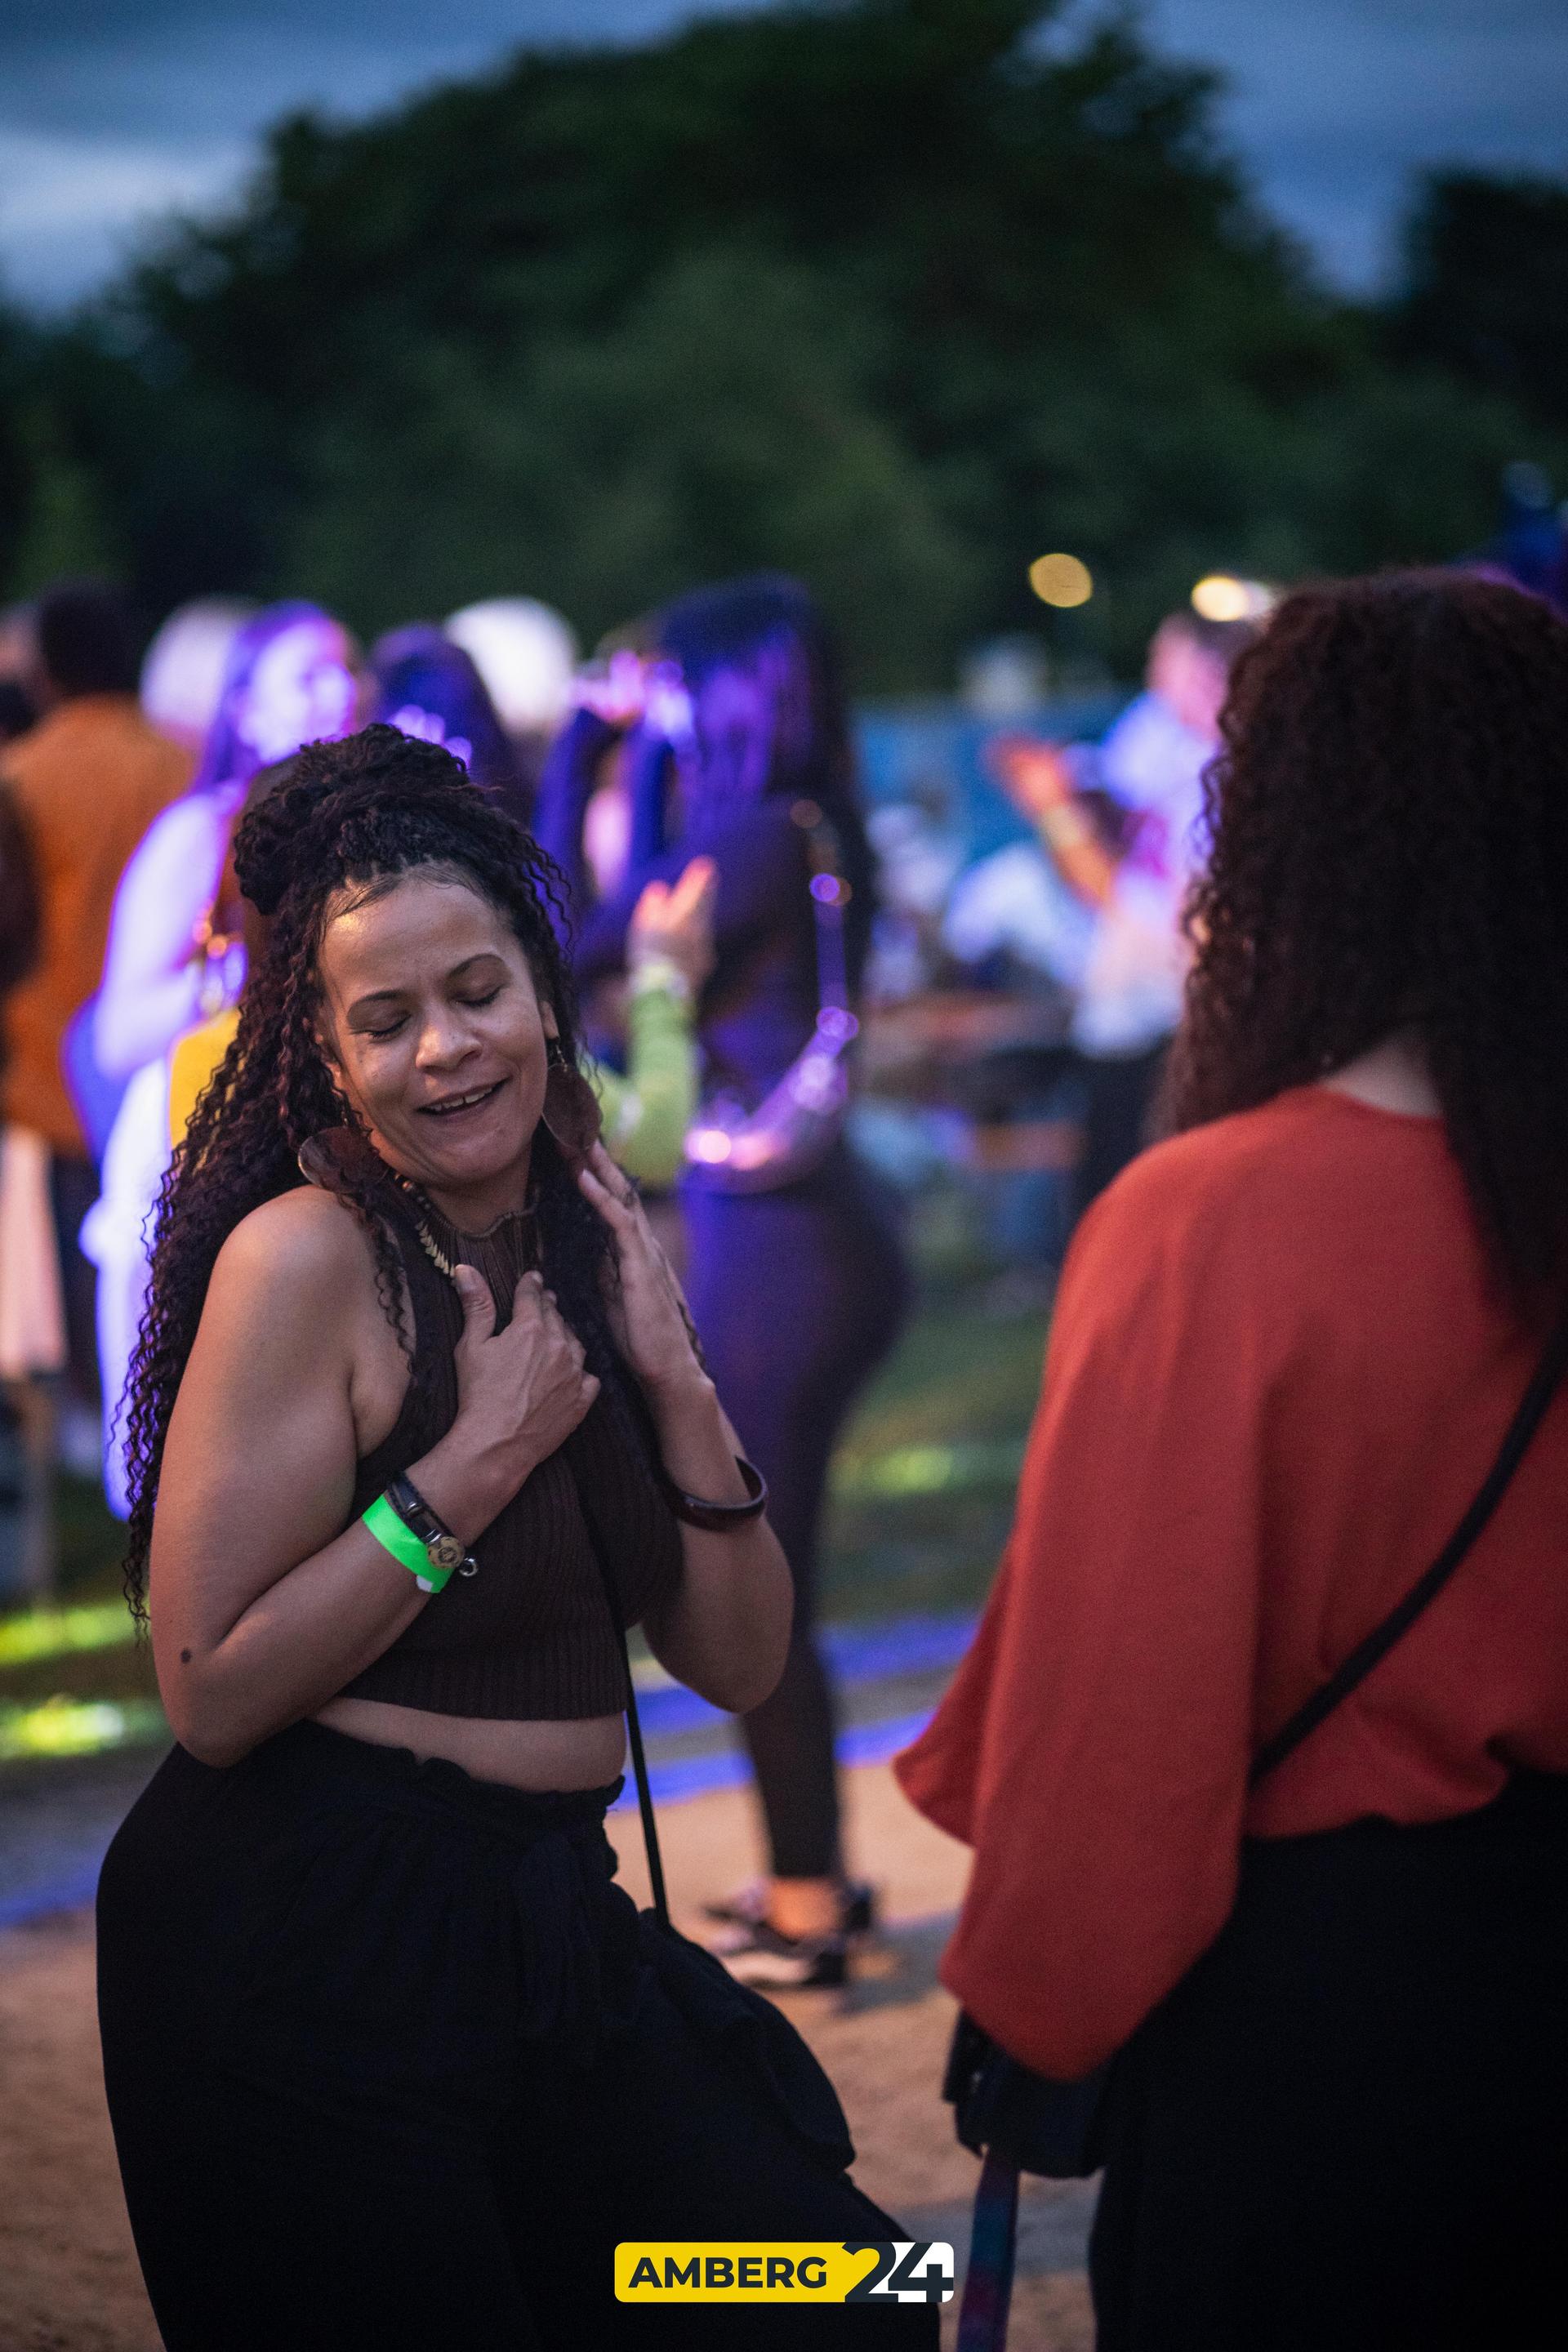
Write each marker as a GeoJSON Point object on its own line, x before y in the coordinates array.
{"type": "Point", "coordinates": [743, 2270]}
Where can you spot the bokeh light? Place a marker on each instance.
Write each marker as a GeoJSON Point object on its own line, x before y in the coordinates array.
{"type": "Point", "coordinates": [1221, 596]}
{"type": "Point", "coordinates": [67, 1727]}
{"type": "Point", "coordinates": [1061, 580]}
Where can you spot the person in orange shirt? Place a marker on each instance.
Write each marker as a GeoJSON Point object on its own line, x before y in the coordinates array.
{"type": "Point", "coordinates": [87, 782]}
{"type": "Point", "coordinates": [1287, 1347]}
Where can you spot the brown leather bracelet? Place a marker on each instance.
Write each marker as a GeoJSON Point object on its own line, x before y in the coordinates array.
{"type": "Point", "coordinates": [720, 1518]}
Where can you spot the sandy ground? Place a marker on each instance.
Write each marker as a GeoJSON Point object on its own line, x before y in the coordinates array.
{"type": "Point", "coordinates": [68, 2280]}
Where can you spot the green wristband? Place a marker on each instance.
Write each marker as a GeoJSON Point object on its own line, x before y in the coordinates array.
{"type": "Point", "coordinates": [400, 1541]}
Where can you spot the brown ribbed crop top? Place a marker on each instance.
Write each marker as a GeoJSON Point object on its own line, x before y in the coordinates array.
{"type": "Point", "coordinates": [528, 1637]}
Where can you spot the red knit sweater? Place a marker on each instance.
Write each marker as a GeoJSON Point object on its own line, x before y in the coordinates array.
{"type": "Point", "coordinates": [1276, 1374]}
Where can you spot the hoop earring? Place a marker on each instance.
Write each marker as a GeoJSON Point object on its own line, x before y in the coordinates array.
{"type": "Point", "coordinates": [571, 1117]}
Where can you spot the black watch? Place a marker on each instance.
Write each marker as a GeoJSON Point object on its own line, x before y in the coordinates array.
{"type": "Point", "coordinates": [444, 1550]}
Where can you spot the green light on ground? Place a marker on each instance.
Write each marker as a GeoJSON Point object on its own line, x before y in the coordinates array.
{"type": "Point", "coordinates": [64, 1727]}
{"type": "Point", "coordinates": [52, 1632]}
{"type": "Point", "coordinates": [930, 1470]}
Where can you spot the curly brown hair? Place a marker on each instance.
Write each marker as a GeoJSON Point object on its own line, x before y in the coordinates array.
{"type": "Point", "coordinates": [1389, 822]}
{"type": "Point", "coordinates": [350, 815]}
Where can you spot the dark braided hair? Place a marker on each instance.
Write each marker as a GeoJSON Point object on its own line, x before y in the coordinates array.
{"type": "Point", "coordinates": [1389, 848]}
{"type": "Point", "coordinates": [351, 815]}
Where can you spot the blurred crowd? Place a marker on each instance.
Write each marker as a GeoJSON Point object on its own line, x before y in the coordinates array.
{"type": "Point", "coordinates": [745, 938]}
{"type": "Point", "coordinates": [1022, 997]}
{"type": "Point", "coordinates": [735, 949]}
{"type": "Point", "coordinates": [125, 939]}
{"type": "Point", "coordinates": [1298, 902]}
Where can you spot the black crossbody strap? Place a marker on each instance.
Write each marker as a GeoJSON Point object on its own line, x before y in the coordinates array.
{"type": "Point", "coordinates": [634, 1726]}
{"type": "Point", "coordinates": [1543, 1386]}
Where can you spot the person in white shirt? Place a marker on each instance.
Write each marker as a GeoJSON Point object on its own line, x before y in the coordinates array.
{"type": "Point", "coordinates": [1131, 875]}
{"type": "Point", "coordinates": [175, 956]}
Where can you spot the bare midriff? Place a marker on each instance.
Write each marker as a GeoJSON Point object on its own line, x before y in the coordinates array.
{"type": "Point", "coordinates": [537, 1756]}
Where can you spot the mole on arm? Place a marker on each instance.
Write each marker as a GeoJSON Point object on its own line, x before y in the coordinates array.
{"type": "Point", "coordinates": [184, 1657]}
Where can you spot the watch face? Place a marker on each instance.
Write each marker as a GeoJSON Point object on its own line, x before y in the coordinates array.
{"type": "Point", "coordinates": [446, 1551]}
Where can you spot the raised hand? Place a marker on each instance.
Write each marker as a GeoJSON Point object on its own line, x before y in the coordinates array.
{"type": "Point", "coordinates": [653, 1326]}
{"type": "Point", "coordinates": [1032, 773]}
{"type": "Point", "coordinates": [614, 694]}
{"type": "Point", "coordinates": [675, 920]}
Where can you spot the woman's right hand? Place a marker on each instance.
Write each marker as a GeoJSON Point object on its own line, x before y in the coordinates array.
{"type": "Point", "coordinates": [675, 923]}
{"type": "Point", "coordinates": [520, 1391]}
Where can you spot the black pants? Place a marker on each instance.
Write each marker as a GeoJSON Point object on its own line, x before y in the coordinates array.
{"type": "Point", "coordinates": [1347, 2129]}
{"type": "Point", "coordinates": [1119, 1099]}
{"type": "Point", "coordinates": [798, 1294]}
{"type": "Point", "coordinates": [393, 2064]}
{"type": "Point", "coordinates": [74, 1186]}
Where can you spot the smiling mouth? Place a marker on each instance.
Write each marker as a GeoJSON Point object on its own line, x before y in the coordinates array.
{"type": "Point", "coordinates": [450, 1105]}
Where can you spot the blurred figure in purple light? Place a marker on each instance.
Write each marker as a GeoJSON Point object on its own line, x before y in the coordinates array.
{"type": "Point", "coordinates": [427, 685]}
{"type": "Point", "coordinates": [176, 954]}
{"type": "Point", "coordinates": [739, 751]}
{"type": "Point", "coordinates": [292, 679]}
{"type": "Point", "coordinates": [526, 654]}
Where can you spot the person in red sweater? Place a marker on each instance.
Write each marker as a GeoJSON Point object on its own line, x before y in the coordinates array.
{"type": "Point", "coordinates": [1286, 1346]}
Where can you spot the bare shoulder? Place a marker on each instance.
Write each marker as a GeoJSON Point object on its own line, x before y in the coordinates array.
{"type": "Point", "coordinates": [304, 1250]}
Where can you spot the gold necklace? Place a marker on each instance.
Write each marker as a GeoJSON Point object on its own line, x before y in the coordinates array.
{"type": "Point", "coordinates": [419, 1209]}
{"type": "Point", "coordinates": [423, 1208]}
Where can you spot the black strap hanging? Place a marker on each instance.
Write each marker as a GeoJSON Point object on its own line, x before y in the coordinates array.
{"type": "Point", "coordinates": [1367, 1654]}
{"type": "Point", "coordinates": [634, 1724]}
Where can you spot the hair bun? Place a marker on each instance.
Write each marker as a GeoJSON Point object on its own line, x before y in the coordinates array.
{"type": "Point", "coordinates": [271, 846]}
{"type": "Point", "coordinates": [327, 793]}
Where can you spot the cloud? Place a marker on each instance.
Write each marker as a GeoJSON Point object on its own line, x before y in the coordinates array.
{"type": "Point", "coordinates": [113, 110]}
{"type": "Point", "coordinates": [116, 110]}
{"type": "Point", "coordinates": [1336, 103]}
{"type": "Point", "coordinates": [72, 208]}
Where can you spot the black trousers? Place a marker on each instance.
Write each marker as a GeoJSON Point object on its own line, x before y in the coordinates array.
{"type": "Point", "coordinates": [798, 1296]}
{"type": "Point", "coordinates": [393, 2064]}
{"type": "Point", "coordinates": [74, 1186]}
{"type": "Point", "coordinates": [1347, 2129]}
{"type": "Point", "coordinates": [1119, 1100]}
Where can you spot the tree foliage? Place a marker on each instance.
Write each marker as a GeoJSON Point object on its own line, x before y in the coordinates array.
{"type": "Point", "coordinates": [897, 293]}
{"type": "Point", "coordinates": [1486, 292]}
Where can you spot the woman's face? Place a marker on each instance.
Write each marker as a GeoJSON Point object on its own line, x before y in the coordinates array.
{"type": "Point", "coordinates": [303, 690]}
{"type": "Point", "coordinates": [435, 1032]}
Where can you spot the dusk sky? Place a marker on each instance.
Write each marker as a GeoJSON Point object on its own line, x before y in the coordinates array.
{"type": "Point", "coordinates": [112, 111]}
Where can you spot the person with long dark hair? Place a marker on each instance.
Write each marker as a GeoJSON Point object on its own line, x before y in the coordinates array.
{"type": "Point", "coordinates": [797, 1280]}
{"type": "Point", "coordinates": [1288, 1346]}
{"type": "Point", "coordinates": [391, 2063]}
{"type": "Point", "coordinates": [424, 685]}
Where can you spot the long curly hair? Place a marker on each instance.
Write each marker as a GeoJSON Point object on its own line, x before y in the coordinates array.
{"type": "Point", "coordinates": [352, 814]}
{"type": "Point", "coordinates": [1389, 849]}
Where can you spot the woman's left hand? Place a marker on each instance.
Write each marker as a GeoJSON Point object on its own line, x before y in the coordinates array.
{"type": "Point", "coordinates": [652, 1324]}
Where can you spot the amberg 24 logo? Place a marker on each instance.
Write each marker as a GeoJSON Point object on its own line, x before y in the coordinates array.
{"type": "Point", "coordinates": [766, 2271]}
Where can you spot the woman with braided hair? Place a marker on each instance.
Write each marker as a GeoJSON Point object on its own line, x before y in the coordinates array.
{"type": "Point", "coordinates": [390, 2059]}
